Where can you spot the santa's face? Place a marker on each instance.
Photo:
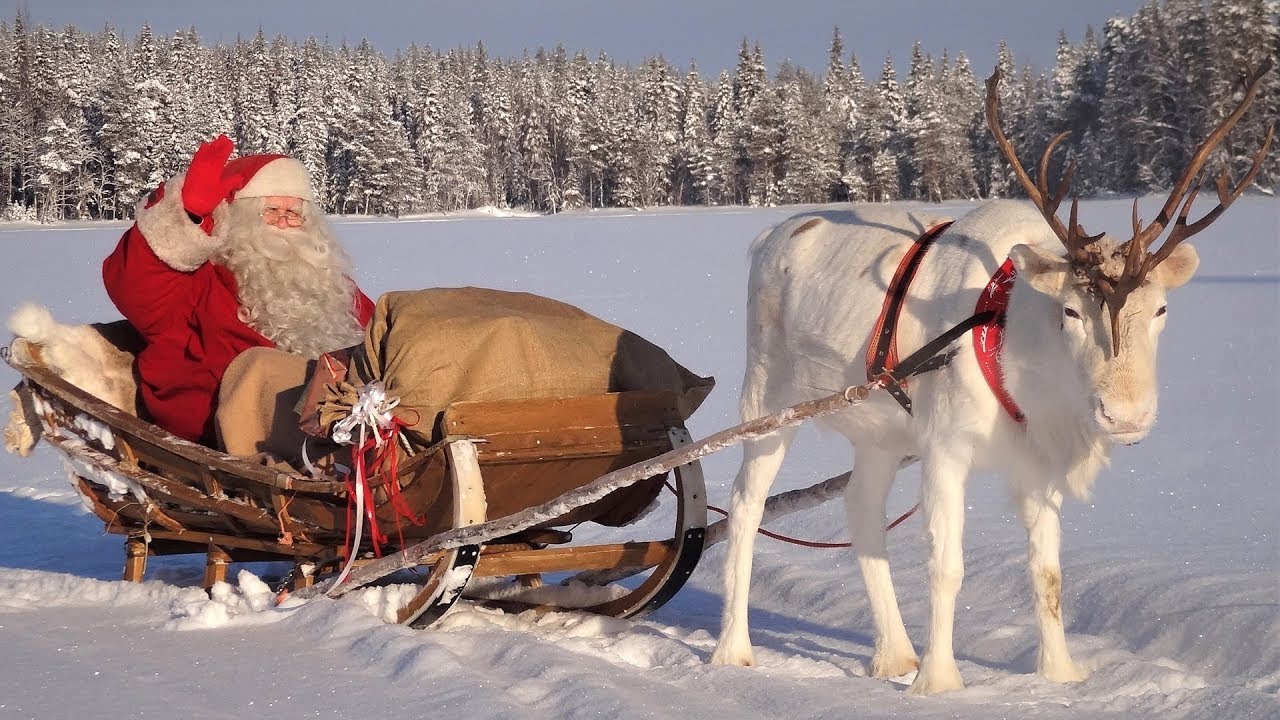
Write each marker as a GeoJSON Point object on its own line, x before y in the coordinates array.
{"type": "Point", "coordinates": [291, 274]}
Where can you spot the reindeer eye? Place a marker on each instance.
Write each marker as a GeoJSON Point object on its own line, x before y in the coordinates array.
{"type": "Point", "coordinates": [1163, 309]}
{"type": "Point", "coordinates": [1070, 313]}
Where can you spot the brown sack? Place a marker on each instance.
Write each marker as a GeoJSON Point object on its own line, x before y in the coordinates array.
{"type": "Point", "coordinates": [437, 346]}
{"type": "Point", "coordinates": [256, 400]}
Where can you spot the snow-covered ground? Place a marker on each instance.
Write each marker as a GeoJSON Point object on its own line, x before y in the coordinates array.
{"type": "Point", "coordinates": [1172, 571]}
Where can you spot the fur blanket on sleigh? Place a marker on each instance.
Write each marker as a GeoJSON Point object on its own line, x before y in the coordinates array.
{"type": "Point", "coordinates": [97, 358]}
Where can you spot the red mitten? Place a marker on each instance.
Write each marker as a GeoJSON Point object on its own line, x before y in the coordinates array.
{"type": "Point", "coordinates": [204, 186]}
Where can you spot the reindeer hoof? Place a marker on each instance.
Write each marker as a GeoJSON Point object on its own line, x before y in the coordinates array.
{"type": "Point", "coordinates": [1062, 673]}
{"type": "Point", "coordinates": [727, 654]}
{"type": "Point", "coordinates": [892, 667]}
{"type": "Point", "coordinates": [936, 677]}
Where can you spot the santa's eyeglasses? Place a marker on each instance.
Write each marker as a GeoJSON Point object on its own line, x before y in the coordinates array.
{"type": "Point", "coordinates": [275, 215]}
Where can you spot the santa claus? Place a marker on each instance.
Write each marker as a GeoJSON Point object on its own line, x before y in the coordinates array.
{"type": "Point", "coordinates": [227, 257]}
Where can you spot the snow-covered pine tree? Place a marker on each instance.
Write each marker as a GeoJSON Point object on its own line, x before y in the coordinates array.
{"type": "Point", "coordinates": [758, 132]}
{"type": "Point", "coordinates": [258, 127]}
{"type": "Point", "coordinates": [494, 124]}
{"type": "Point", "coordinates": [695, 174]}
{"type": "Point", "coordinates": [657, 147]}
{"type": "Point", "coordinates": [916, 148]}
{"type": "Point", "coordinates": [177, 73]}
{"type": "Point", "coordinates": [537, 186]}
{"type": "Point", "coordinates": [855, 178]}
{"type": "Point", "coordinates": [748, 163]}
{"type": "Point", "coordinates": [808, 152]}
{"type": "Point", "coordinates": [67, 158]}
{"type": "Point", "coordinates": [307, 130]}
{"type": "Point", "coordinates": [1035, 128]}
{"type": "Point", "coordinates": [551, 132]}
{"type": "Point", "coordinates": [9, 89]}
{"type": "Point", "coordinates": [926, 159]}
{"type": "Point", "coordinates": [617, 122]}
{"type": "Point", "coordinates": [1122, 119]}
{"type": "Point", "coordinates": [22, 120]}
{"type": "Point", "coordinates": [722, 120]}
{"type": "Point", "coordinates": [137, 122]}
{"type": "Point", "coordinates": [842, 89]}
{"type": "Point", "coordinates": [1080, 113]}
{"type": "Point", "coordinates": [1162, 151]}
{"type": "Point", "coordinates": [886, 112]}
{"type": "Point", "coordinates": [576, 87]}
{"type": "Point", "coordinates": [378, 172]}
{"type": "Point", "coordinates": [994, 178]}
{"type": "Point", "coordinates": [282, 56]}
{"type": "Point", "coordinates": [212, 108]}
{"type": "Point", "coordinates": [1242, 33]}
{"type": "Point", "coordinates": [457, 168]}
{"type": "Point", "coordinates": [960, 104]}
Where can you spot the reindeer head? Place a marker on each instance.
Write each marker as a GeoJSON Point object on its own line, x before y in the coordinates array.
{"type": "Point", "coordinates": [1112, 293]}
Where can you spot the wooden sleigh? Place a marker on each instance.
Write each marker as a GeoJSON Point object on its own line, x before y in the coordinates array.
{"type": "Point", "coordinates": [166, 495]}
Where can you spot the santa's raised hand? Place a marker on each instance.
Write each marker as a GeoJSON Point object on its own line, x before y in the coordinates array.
{"type": "Point", "coordinates": [205, 185]}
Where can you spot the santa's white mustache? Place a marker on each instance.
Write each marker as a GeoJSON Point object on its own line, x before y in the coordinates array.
{"type": "Point", "coordinates": [290, 245]}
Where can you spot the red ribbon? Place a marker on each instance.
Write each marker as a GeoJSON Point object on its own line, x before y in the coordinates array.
{"type": "Point", "coordinates": [386, 465]}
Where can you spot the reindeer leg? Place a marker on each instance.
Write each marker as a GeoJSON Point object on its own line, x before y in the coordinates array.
{"type": "Point", "coordinates": [761, 460]}
{"type": "Point", "coordinates": [1040, 515]}
{"type": "Point", "coordinates": [945, 470]}
{"type": "Point", "coordinates": [874, 470]}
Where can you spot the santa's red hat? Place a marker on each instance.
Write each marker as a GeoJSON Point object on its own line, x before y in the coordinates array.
{"type": "Point", "coordinates": [184, 245]}
{"type": "Point", "coordinates": [266, 175]}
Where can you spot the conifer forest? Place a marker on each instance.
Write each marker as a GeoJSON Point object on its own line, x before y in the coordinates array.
{"type": "Point", "coordinates": [91, 120]}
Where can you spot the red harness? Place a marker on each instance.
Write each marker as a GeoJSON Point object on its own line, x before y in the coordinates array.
{"type": "Point", "coordinates": [882, 353]}
{"type": "Point", "coordinates": [988, 336]}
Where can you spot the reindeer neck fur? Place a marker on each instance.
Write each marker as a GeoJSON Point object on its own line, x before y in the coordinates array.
{"type": "Point", "coordinates": [1060, 437]}
{"type": "Point", "coordinates": [1038, 370]}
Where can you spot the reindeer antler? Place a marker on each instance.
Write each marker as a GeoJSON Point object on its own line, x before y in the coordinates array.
{"type": "Point", "coordinates": [1072, 235]}
{"type": "Point", "coordinates": [1139, 262]}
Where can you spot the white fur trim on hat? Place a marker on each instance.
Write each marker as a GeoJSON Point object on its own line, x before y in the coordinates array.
{"type": "Point", "coordinates": [283, 176]}
{"type": "Point", "coordinates": [177, 241]}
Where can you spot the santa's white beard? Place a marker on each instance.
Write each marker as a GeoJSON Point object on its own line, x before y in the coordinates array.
{"type": "Point", "coordinates": [293, 283]}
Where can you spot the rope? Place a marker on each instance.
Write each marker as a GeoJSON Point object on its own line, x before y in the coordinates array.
{"type": "Point", "coordinates": [809, 543]}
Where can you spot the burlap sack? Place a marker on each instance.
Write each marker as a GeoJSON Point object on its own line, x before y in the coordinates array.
{"type": "Point", "coordinates": [255, 416]}
{"type": "Point", "coordinates": [434, 347]}
{"type": "Point", "coordinates": [437, 346]}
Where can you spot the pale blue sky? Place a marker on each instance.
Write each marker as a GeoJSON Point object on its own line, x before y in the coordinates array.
{"type": "Point", "coordinates": [708, 31]}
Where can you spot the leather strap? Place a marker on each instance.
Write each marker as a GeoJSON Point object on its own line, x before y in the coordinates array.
{"type": "Point", "coordinates": [882, 353]}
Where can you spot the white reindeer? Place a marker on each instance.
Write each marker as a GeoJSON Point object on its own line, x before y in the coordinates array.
{"type": "Point", "coordinates": [1078, 358]}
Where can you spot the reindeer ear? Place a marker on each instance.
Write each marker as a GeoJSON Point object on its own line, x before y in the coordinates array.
{"type": "Point", "coordinates": [1045, 270]}
{"type": "Point", "coordinates": [1178, 268]}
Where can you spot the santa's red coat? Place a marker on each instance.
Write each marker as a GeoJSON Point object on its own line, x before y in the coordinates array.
{"type": "Point", "coordinates": [186, 308]}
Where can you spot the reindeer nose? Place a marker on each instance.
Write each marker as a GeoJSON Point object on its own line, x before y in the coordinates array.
{"type": "Point", "coordinates": [1125, 422]}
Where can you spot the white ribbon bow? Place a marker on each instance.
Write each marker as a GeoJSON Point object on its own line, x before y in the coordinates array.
{"type": "Point", "coordinates": [372, 410]}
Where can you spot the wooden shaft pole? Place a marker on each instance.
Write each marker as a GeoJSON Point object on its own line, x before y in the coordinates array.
{"type": "Point", "coordinates": [589, 493]}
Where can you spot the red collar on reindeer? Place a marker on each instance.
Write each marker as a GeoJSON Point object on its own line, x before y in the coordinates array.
{"type": "Point", "coordinates": [987, 323]}
{"type": "Point", "coordinates": [988, 336]}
